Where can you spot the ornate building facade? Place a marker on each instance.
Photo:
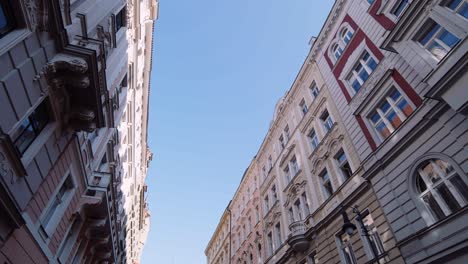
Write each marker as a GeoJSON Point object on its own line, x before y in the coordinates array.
{"type": "Point", "coordinates": [366, 159]}
{"type": "Point", "coordinates": [74, 88]}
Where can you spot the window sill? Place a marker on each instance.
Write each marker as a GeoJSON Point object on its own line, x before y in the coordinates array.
{"type": "Point", "coordinates": [13, 38]}
{"type": "Point", "coordinates": [37, 144]}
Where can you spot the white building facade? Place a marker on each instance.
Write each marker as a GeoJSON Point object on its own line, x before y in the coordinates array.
{"type": "Point", "coordinates": [74, 155]}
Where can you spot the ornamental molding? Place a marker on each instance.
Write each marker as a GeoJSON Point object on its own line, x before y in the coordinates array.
{"type": "Point", "coordinates": [286, 153]}
{"type": "Point", "coordinates": [272, 217]}
{"type": "Point", "coordinates": [376, 79]}
{"type": "Point", "coordinates": [67, 78]}
{"type": "Point", "coordinates": [11, 167]}
{"type": "Point", "coordinates": [37, 14]}
{"type": "Point", "coordinates": [295, 190]}
{"type": "Point", "coordinates": [326, 30]}
{"type": "Point", "coordinates": [328, 147]}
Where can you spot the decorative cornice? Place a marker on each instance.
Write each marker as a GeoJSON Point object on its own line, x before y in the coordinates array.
{"type": "Point", "coordinates": [295, 189]}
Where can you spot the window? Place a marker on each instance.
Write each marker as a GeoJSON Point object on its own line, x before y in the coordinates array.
{"type": "Point", "coordinates": [281, 141]}
{"type": "Point", "coordinates": [441, 188]}
{"type": "Point", "coordinates": [346, 35]}
{"type": "Point", "coordinates": [259, 248]}
{"type": "Point", "coordinates": [298, 207]}
{"type": "Point", "coordinates": [264, 172]}
{"type": "Point", "coordinates": [287, 174]}
{"type": "Point", "coordinates": [50, 218]}
{"type": "Point", "coordinates": [361, 71]}
{"type": "Point", "coordinates": [458, 6]}
{"type": "Point", "coordinates": [7, 19]}
{"type": "Point", "coordinates": [70, 239]}
{"type": "Point", "coordinates": [337, 51]}
{"type": "Point", "coordinates": [306, 204]}
{"type": "Point", "coordinates": [314, 90]}
{"type": "Point", "coordinates": [31, 127]}
{"type": "Point", "coordinates": [270, 163]}
{"type": "Point", "coordinates": [312, 259]}
{"type": "Point", "coordinates": [390, 113]}
{"type": "Point", "coordinates": [373, 240]}
{"type": "Point", "coordinates": [399, 7]}
{"type": "Point", "coordinates": [257, 218]}
{"type": "Point", "coordinates": [370, 1]}
{"type": "Point", "coordinates": [286, 133]}
{"type": "Point", "coordinates": [266, 202]}
{"type": "Point", "coordinates": [346, 250]}
{"type": "Point", "coordinates": [314, 141]}
{"type": "Point", "coordinates": [278, 235]}
{"type": "Point", "coordinates": [274, 194]}
{"type": "Point", "coordinates": [294, 166]}
{"type": "Point", "coordinates": [326, 184]}
{"type": "Point", "coordinates": [303, 107]}
{"type": "Point", "coordinates": [437, 40]}
{"type": "Point", "coordinates": [121, 19]}
{"type": "Point", "coordinates": [343, 39]}
{"type": "Point", "coordinates": [343, 165]}
{"type": "Point", "coordinates": [270, 244]}
{"type": "Point", "coordinates": [291, 215]}
{"type": "Point", "coordinates": [327, 121]}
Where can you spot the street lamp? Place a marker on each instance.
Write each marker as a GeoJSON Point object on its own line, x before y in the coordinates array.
{"type": "Point", "coordinates": [349, 228]}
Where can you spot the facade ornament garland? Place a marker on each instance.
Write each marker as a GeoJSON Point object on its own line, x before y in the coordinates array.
{"type": "Point", "coordinates": [294, 190]}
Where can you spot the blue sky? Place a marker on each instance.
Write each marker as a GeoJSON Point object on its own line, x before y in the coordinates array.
{"type": "Point", "coordinates": [219, 68]}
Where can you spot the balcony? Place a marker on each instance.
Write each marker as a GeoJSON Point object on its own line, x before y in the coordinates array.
{"type": "Point", "coordinates": [297, 240]}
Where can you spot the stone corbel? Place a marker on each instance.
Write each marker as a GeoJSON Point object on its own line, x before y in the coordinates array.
{"type": "Point", "coordinates": [66, 76]}
{"type": "Point", "coordinates": [11, 167]}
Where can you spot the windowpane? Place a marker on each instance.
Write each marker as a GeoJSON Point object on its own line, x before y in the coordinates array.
{"type": "Point", "coordinates": [356, 85]}
{"type": "Point", "coordinates": [461, 187]}
{"type": "Point", "coordinates": [454, 4]}
{"type": "Point", "coordinates": [23, 136]}
{"type": "Point", "coordinates": [434, 207]}
{"type": "Point", "coordinates": [400, 7]}
{"type": "Point", "coordinates": [431, 174]}
{"type": "Point", "coordinates": [372, 64]}
{"type": "Point", "coordinates": [464, 11]}
{"type": "Point", "coordinates": [3, 18]}
{"type": "Point", "coordinates": [430, 33]}
{"type": "Point", "coordinates": [448, 38]}
{"type": "Point", "coordinates": [420, 184]}
{"type": "Point", "coordinates": [448, 197]}
{"type": "Point", "coordinates": [393, 118]}
{"type": "Point", "coordinates": [364, 75]}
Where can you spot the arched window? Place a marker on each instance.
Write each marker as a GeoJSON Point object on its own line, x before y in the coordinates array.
{"type": "Point", "coordinates": [346, 35]}
{"type": "Point", "coordinates": [342, 39]}
{"type": "Point", "coordinates": [337, 51]}
{"type": "Point", "coordinates": [441, 188]}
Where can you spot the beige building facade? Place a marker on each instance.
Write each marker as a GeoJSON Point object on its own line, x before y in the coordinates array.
{"type": "Point", "coordinates": [366, 157]}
